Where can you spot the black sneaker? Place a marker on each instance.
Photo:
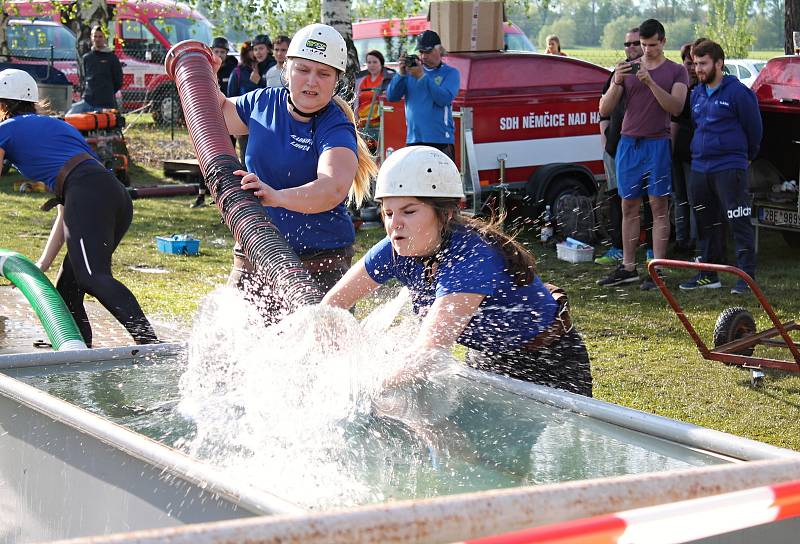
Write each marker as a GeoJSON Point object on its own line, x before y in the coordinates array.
{"type": "Point", "coordinates": [703, 280]}
{"type": "Point", "coordinates": [648, 284]}
{"type": "Point", "coordinates": [619, 276]}
{"type": "Point", "coordinates": [740, 287]}
{"type": "Point", "coordinates": [199, 203]}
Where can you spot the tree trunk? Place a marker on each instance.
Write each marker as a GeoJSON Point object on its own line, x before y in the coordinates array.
{"type": "Point", "coordinates": [336, 13]}
{"type": "Point", "coordinates": [4, 53]}
{"type": "Point", "coordinates": [791, 23]}
{"type": "Point", "coordinates": [80, 17]}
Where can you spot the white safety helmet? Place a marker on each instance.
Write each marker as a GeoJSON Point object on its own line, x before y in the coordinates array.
{"type": "Point", "coordinates": [419, 171]}
{"type": "Point", "coordinates": [320, 43]}
{"type": "Point", "coordinates": [18, 85]}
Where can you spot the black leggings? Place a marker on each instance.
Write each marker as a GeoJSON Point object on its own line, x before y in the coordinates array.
{"type": "Point", "coordinates": [97, 213]}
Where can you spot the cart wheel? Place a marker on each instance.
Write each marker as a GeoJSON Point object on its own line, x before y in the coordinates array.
{"type": "Point", "coordinates": [732, 324]}
{"type": "Point", "coordinates": [756, 377]}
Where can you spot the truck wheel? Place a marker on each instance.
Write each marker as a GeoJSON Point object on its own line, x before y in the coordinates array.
{"type": "Point", "coordinates": [561, 187]}
{"type": "Point", "coordinates": [791, 238]}
{"type": "Point", "coordinates": [558, 191]}
{"type": "Point", "coordinates": [732, 324]}
{"type": "Point", "coordinates": [165, 105]}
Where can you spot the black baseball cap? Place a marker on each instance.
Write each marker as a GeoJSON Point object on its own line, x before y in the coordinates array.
{"type": "Point", "coordinates": [262, 39]}
{"type": "Point", "coordinates": [219, 43]}
{"type": "Point", "coordinates": [427, 41]}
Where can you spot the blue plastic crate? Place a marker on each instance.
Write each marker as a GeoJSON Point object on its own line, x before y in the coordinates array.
{"type": "Point", "coordinates": [178, 244]}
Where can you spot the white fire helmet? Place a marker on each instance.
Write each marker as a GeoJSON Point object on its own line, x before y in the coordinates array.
{"type": "Point", "coordinates": [320, 43]}
{"type": "Point", "coordinates": [419, 171]}
{"type": "Point", "coordinates": [18, 85]}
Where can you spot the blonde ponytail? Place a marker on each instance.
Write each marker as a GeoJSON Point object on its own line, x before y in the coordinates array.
{"type": "Point", "coordinates": [367, 169]}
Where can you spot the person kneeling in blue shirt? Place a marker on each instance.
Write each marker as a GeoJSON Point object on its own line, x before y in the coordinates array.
{"type": "Point", "coordinates": [429, 87]}
{"type": "Point", "coordinates": [473, 284]}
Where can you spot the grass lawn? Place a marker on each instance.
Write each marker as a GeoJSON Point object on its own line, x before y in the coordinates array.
{"type": "Point", "coordinates": [641, 356]}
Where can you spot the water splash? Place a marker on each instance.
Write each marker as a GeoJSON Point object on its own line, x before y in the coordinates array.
{"type": "Point", "coordinates": [286, 405]}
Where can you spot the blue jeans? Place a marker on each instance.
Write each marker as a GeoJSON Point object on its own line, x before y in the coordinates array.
{"type": "Point", "coordinates": [82, 106]}
{"type": "Point", "coordinates": [685, 222]}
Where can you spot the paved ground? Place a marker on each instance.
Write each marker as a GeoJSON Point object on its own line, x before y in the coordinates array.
{"type": "Point", "coordinates": [19, 326]}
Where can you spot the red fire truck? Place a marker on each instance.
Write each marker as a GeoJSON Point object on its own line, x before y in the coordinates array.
{"type": "Point", "coordinates": [140, 33]}
{"type": "Point", "coordinates": [527, 127]}
{"type": "Point", "coordinates": [775, 197]}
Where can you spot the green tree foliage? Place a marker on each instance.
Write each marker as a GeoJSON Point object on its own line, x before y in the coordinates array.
{"type": "Point", "coordinates": [386, 9]}
{"type": "Point", "coordinates": [768, 24]}
{"type": "Point", "coordinates": [614, 31]}
{"type": "Point", "coordinates": [591, 16]}
{"type": "Point", "coordinates": [566, 30]}
{"type": "Point", "coordinates": [768, 35]}
{"type": "Point", "coordinates": [728, 24]}
{"type": "Point", "coordinates": [679, 32]}
{"type": "Point", "coordinates": [240, 20]}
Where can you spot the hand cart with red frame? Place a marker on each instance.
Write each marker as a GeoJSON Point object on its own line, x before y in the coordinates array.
{"type": "Point", "coordinates": [735, 334]}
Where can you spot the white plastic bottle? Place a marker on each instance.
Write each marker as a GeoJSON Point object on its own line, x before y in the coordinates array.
{"type": "Point", "coordinates": [547, 226]}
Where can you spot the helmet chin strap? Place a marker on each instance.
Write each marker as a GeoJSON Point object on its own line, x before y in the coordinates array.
{"type": "Point", "coordinates": [302, 113]}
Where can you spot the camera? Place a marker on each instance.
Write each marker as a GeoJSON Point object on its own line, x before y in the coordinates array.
{"type": "Point", "coordinates": [412, 60]}
{"type": "Point", "coordinates": [634, 68]}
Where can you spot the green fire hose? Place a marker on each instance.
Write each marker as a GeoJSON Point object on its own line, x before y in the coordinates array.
{"type": "Point", "coordinates": [44, 299]}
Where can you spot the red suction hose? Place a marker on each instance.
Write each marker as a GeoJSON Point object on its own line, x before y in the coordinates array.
{"type": "Point", "coordinates": [188, 63]}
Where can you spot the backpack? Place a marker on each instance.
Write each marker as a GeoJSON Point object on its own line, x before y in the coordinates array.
{"type": "Point", "coordinates": [575, 217]}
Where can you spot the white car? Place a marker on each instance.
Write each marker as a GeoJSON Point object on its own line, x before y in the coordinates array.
{"type": "Point", "coordinates": [745, 70]}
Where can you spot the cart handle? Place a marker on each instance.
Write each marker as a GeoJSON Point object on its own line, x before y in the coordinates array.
{"type": "Point", "coordinates": [710, 267]}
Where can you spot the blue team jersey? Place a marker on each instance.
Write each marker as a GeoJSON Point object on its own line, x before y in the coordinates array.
{"type": "Point", "coordinates": [38, 146]}
{"type": "Point", "coordinates": [507, 317]}
{"type": "Point", "coordinates": [284, 153]}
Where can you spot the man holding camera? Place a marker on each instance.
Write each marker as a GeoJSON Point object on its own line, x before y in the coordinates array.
{"type": "Point", "coordinates": [429, 87]}
{"type": "Point", "coordinates": [655, 89]}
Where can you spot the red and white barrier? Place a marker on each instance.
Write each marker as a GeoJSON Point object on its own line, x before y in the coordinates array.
{"type": "Point", "coordinates": [669, 523]}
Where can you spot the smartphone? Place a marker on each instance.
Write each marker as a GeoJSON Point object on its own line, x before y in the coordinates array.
{"type": "Point", "coordinates": [634, 68]}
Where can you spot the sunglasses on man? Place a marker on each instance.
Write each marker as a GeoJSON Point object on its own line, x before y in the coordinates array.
{"type": "Point", "coordinates": [629, 44]}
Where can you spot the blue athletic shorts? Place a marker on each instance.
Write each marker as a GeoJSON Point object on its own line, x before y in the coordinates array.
{"type": "Point", "coordinates": [644, 166]}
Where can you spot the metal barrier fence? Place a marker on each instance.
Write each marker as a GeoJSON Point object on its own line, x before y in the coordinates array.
{"type": "Point", "coordinates": [677, 522]}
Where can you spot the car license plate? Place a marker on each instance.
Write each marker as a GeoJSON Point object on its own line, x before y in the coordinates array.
{"type": "Point", "coordinates": [776, 216]}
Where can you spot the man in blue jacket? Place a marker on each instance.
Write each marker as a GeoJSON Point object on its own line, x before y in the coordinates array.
{"type": "Point", "coordinates": [429, 87]}
{"type": "Point", "coordinates": [727, 135]}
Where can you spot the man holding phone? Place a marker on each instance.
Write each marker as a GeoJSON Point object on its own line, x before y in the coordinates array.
{"type": "Point", "coordinates": [610, 128]}
{"type": "Point", "coordinates": [655, 92]}
{"type": "Point", "coordinates": [429, 87]}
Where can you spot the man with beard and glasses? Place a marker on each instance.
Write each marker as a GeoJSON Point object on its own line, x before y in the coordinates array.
{"type": "Point", "coordinates": [727, 135]}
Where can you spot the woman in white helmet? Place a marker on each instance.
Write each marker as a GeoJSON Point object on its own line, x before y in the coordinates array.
{"type": "Point", "coordinates": [303, 158]}
{"type": "Point", "coordinates": [94, 209]}
{"type": "Point", "coordinates": [473, 284]}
